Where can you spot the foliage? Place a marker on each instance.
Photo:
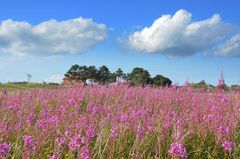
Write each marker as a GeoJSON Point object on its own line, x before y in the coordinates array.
{"type": "Point", "coordinates": [139, 76]}
{"type": "Point", "coordinates": [104, 74]}
{"type": "Point", "coordinates": [160, 80]}
{"type": "Point", "coordinates": [118, 74]}
{"type": "Point", "coordinates": [92, 72]}
{"type": "Point", "coordinates": [77, 72]}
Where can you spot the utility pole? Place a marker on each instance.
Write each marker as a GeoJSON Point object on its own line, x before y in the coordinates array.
{"type": "Point", "coordinates": [221, 81]}
{"type": "Point", "coordinates": [29, 77]}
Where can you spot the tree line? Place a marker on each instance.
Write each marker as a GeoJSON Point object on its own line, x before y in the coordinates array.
{"type": "Point", "coordinates": [102, 75]}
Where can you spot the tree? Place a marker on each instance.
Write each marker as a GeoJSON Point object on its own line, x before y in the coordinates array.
{"type": "Point", "coordinates": [104, 74]}
{"type": "Point", "coordinates": [201, 83]}
{"type": "Point", "coordinates": [119, 74]}
{"type": "Point", "coordinates": [77, 72]}
{"type": "Point", "coordinates": [139, 76]}
{"type": "Point", "coordinates": [160, 80]}
{"type": "Point", "coordinates": [82, 73]}
{"type": "Point", "coordinates": [72, 72]}
{"type": "Point", "coordinates": [92, 72]}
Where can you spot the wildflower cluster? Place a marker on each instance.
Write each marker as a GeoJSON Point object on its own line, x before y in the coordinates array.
{"type": "Point", "coordinates": [4, 148]}
{"type": "Point", "coordinates": [178, 150]}
{"type": "Point", "coordinates": [119, 122]}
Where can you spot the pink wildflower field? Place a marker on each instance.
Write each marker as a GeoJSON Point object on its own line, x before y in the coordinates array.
{"type": "Point", "coordinates": [119, 122]}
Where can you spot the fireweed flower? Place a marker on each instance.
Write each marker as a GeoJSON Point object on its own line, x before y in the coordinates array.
{"type": "Point", "coordinates": [91, 131]}
{"type": "Point", "coordinates": [76, 142]}
{"type": "Point", "coordinates": [68, 134]}
{"type": "Point", "coordinates": [114, 133]}
{"type": "Point", "coordinates": [151, 128]}
{"type": "Point", "coordinates": [4, 148]}
{"type": "Point", "coordinates": [109, 115]}
{"type": "Point", "coordinates": [222, 133]}
{"type": "Point", "coordinates": [85, 153]}
{"type": "Point", "coordinates": [83, 140]}
{"type": "Point", "coordinates": [60, 141]}
{"type": "Point", "coordinates": [13, 107]}
{"type": "Point", "coordinates": [71, 101]}
{"type": "Point", "coordinates": [227, 146]}
{"type": "Point", "coordinates": [73, 145]}
{"type": "Point", "coordinates": [29, 143]}
{"type": "Point", "coordinates": [140, 132]}
{"type": "Point", "coordinates": [123, 118]}
{"type": "Point", "coordinates": [30, 118]}
{"type": "Point", "coordinates": [177, 150]}
{"type": "Point", "coordinates": [224, 130]}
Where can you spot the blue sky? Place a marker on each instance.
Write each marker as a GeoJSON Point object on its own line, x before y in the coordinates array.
{"type": "Point", "coordinates": [189, 44]}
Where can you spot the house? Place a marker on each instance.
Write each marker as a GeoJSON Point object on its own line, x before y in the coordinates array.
{"type": "Point", "coordinates": [67, 81]}
{"type": "Point", "coordinates": [91, 82]}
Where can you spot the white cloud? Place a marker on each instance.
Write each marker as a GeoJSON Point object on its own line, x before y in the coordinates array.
{"type": "Point", "coordinates": [50, 37]}
{"type": "Point", "coordinates": [56, 78]}
{"type": "Point", "coordinates": [177, 35]}
{"type": "Point", "coordinates": [230, 48]}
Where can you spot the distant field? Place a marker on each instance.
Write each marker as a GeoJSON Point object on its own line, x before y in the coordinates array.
{"type": "Point", "coordinates": [16, 87]}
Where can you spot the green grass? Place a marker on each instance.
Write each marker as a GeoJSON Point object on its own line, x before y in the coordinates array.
{"type": "Point", "coordinates": [18, 87]}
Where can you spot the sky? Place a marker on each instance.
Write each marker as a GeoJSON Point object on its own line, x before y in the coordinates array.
{"type": "Point", "coordinates": [183, 40]}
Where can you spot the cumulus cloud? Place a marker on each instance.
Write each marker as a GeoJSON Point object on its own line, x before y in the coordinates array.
{"type": "Point", "coordinates": [230, 48]}
{"type": "Point", "coordinates": [50, 37]}
{"type": "Point", "coordinates": [56, 78]}
{"type": "Point", "coordinates": [178, 35]}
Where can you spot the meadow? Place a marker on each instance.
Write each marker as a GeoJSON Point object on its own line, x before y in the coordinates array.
{"type": "Point", "coordinates": [119, 122]}
{"type": "Point", "coordinates": [13, 87]}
